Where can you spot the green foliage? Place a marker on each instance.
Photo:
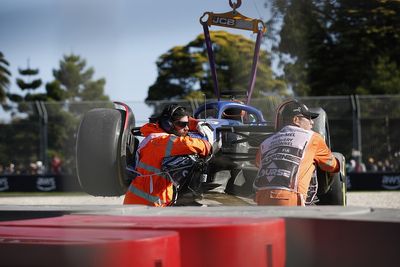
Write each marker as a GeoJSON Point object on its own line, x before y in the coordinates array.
{"type": "Point", "coordinates": [54, 91]}
{"type": "Point", "coordinates": [183, 72]}
{"type": "Point", "coordinates": [73, 83]}
{"type": "Point", "coordinates": [387, 76]}
{"type": "Point", "coordinates": [178, 72]}
{"type": "Point", "coordinates": [344, 47]}
{"type": "Point", "coordinates": [76, 81]}
{"type": "Point", "coordinates": [27, 83]}
{"type": "Point", "coordinates": [15, 151]}
{"type": "Point", "coordinates": [94, 90]}
{"type": "Point", "coordinates": [28, 71]}
{"type": "Point", "coordinates": [4, 77]}
{"type": "Point", "coordinates": [337, 47]}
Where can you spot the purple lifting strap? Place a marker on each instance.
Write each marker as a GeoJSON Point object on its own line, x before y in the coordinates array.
{"type": "Point", "coordinates": [254, 67]}
{"type": "Point", "coordinates": [214, 71]}
{"type": "Point", "coordinates": [211, 59]}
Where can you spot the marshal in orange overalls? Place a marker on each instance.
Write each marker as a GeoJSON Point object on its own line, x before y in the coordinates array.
{"type": "Point", "coordinates": [287, 162]}
{"type": "Point", "coordinates": [151, 187]}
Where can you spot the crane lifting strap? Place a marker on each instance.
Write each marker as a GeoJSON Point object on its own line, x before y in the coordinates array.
{"type": "Point", "coordinates": [232, 19]}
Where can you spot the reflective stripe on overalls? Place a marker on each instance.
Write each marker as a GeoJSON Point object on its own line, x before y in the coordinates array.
{"type": "Point", "coordinates": [156, 171]}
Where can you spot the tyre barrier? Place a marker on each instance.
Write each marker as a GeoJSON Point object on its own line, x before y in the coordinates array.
{"type": "Point", "coordinates": [49, 247]}
{"type": "Point", "coordinates": [204, 241]}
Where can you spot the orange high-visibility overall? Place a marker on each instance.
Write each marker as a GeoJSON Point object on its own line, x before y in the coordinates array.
{"type": "Point", "coordinates": [286, 164]}
{"type": "Point", "coordinates": [152, 187]}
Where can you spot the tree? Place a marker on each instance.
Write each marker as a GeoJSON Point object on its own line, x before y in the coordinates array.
{"type": "Point", "coordinates": [5, 75]}
{"type": "Point", "coordinates": [184, 70]}
{"type": "Point", "coordinates": [387, 76]}
{"type": "Point", "coordinates": [29, 84]}
{"type": "Point", "coordinates": [343, 47]}
{"type": "Point", "coordinates": [73, 78]}
{"type": "Point", "coordinates": [334, 47]}
{"type": "Point", "coordinates": [73, 83]}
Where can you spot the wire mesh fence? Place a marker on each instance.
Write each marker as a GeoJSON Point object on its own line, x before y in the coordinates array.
{"type": "Point", "coordinates": [363, 128]}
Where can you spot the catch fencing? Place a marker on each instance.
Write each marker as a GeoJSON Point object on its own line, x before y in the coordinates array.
{"type": "Point", "coordinates": [363, 128]}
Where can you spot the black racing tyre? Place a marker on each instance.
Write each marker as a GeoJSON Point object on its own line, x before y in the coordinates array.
{"type": "Point", "coordinates": [321, 124]}
{"type": "Point", "coordinates": [98, 151]}
{"type": "Point", "coordinates": [331, 188]}
{"type": "Point", "coordinates": [336, 194]}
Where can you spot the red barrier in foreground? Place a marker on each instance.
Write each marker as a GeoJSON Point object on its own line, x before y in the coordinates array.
{"type": "Point", "coordinates": [43, 246]}
{"type": "Point", "coordinates": [204, 241]}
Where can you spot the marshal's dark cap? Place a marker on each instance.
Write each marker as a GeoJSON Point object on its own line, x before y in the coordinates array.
{"type": "Point", "coordinates": [296, 108]}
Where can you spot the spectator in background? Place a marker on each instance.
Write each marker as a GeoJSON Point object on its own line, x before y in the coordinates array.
{"type": "Point", "coordinates": [371, 166]}
{"type": "Point", "coordinates": [351, 165]}
{"type": "Point", "coordinates": [388, 166]}
{"type": "Point", "coordinates": [1, 169]}
{"type": "Point", "coordinates": [381, 167]}
{"type": "Point", "coordinates": [20, 169]}
{"type": "Point", "coordinates": [56, 165]}
{"type": "Point", "coordinates": [356, 166]}
{"type": "Point", "coordinates": [41, 169]}
{"type": "Point", "coordinates": [32, 168]}
{"type": "Point", "coordinates": [356, 162]}
{"type": "Point", "coordinates": [10, 169]}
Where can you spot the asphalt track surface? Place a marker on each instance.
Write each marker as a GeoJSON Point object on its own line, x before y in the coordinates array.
{"type": "Point", "coordinates": [372, 199]}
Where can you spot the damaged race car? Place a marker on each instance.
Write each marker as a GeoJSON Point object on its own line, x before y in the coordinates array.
{"type": "Point", "coordinates": [108, 138]}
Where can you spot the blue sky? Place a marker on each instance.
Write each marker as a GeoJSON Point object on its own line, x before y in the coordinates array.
{"type": "Point", "coordinates": [120, 39]}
